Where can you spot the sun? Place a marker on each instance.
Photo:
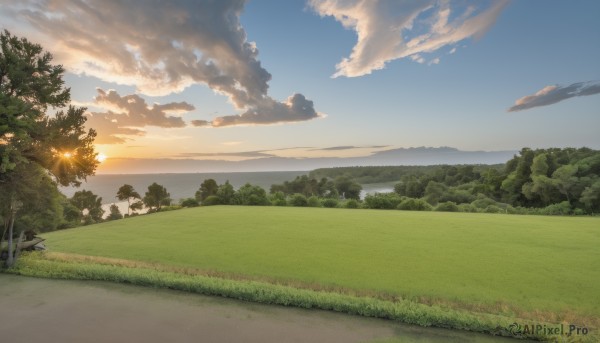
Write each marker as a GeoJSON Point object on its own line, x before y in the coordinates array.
{"type": "Point", "coordinates": [101, 157]}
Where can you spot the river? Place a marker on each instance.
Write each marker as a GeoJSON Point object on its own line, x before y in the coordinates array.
{"type": "Point", "coordinates": [44, 310]}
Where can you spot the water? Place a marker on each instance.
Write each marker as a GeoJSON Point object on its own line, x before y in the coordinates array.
{"type": "Point", "coordinates": [42, 310]}
{"type": "Point", "coordinates": [180, 186]}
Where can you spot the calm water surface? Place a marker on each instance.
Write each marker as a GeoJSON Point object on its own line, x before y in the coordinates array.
{"type": "Point", "coordinates": [42, 310]}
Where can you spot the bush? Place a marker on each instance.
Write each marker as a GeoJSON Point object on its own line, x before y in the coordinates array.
{"type": "Point", "coordinates": [257, 200]}
{"type": "Point", "coordinates": [447, 206]}
{"type": "Point", "coordinates": [313, 201]}
{"type": "Point", "coordinates": [412, 204]}
{"type": "Point", "coordinates": [279, 202]}
{"type": "Point", "coordinates": [467, 208]}
{"type": "Point", "coordinates": [190, 202]}
{"type": "Point", "coordinates": [211, 200]}
{"type": "Point", "coordinates": [170, 208]}
{"type": "Point", "coordinates": [483, 201]}
{"type": "Point", "coordinates": [560, 209]}
{"type": "Point", "coordinates": [384, 201]}
{"type": "Point", "coordinates": [493, 209]}
{"type": "Point", "coordinates": [330, 203]}
{"type": "Point", "coordinates": [351, 204]}
{"type": "Point", "coordinates": [298, 200]}
{"type": "Point", "coordinates": [278, 199]}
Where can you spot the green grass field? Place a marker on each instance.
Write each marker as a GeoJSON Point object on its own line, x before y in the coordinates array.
{"type": "Point", "coordinates": [547, 267]}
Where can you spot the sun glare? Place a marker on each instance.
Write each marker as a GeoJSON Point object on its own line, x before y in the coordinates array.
{"type": "Point", "coordinates": [67, 155]}
{"type": "Point", "coordinates": [101, 157]}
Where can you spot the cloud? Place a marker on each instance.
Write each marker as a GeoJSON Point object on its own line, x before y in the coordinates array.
{"type": "Point", "coordinates": [109, 131]}
{"type": "Point", "coordinates": [126, 114]}
{"type": "Point", "coordinates": [132, 110]}
{"type": "Point", "coordinates": [335, 148]}
{"type": "Point", "coordinates": [349, 147]}
{"type": "Point", "coordinates": [247, 154]}
{"type": "Point", "coordinates": [161, 47]}
{"type": "Point", "coordinates": [393, 29]}
{"type": "Point", "coordinates": [552, 94]}
{"type": "Point", "coordinates": [295, 108]}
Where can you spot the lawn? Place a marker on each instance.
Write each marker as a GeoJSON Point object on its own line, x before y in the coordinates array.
{"type": "Point", "coordinates": [486, 262]}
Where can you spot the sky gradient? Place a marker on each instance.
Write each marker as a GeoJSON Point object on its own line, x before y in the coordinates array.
{"type": "Point", "coordinates": [227, 79]}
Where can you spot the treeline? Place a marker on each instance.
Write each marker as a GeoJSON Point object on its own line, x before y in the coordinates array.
{"type": "Point", "coordinates": [542, 181]}
{"type": "Point", "coordinates": [380, 174]}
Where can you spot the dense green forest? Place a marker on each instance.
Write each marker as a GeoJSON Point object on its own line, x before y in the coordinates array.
{"type": "Point", "coordinates": [377, 174]}
{"type": "Point", "coordinates": [541, 181]}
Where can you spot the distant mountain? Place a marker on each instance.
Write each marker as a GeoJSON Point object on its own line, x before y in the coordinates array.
{"type": "Point", "coordinates": [391, 157]}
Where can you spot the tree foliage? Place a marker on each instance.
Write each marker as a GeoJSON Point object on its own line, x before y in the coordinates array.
{"type": "Point", "coordinates": [128, 193]}
{"type": "Point", "coordinates": [89, 205]}
{"type": "Point", "coordinates": [207, 188]}
{"type": "Point", "coordinates": [33, 143]}
{"type": "Point", "coordinates": [156, 197]}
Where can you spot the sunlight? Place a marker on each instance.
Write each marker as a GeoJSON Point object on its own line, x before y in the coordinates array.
{"type": "Point", "coordinates": [67, 155]}
{"type": "Point", "coordinates": [101, 157]}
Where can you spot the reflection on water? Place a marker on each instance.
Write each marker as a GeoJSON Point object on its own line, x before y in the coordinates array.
{"type": "Point", "coordinates": [78, 311]}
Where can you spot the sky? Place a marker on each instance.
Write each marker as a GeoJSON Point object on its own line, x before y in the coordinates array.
{"type": "Point", "coordinates": [237, 80]}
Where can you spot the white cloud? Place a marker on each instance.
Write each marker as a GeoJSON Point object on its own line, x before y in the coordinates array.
{"type": "Point", "coordinates": [393, 29]}
{"type": "Point", "coordinates": [552, 94]}
{"type": "Point", "coordinates": [159, 47]}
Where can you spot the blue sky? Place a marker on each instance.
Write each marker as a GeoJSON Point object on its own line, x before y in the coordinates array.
{"type": "Point", "coordinates": [458, 96]}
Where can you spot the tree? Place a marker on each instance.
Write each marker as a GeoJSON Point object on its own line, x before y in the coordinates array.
{"type": "Point", "coordinates": [250, 195]}
{"type": "Point", "coordinates": [565, 179]}
{"type": "Point", "coordinates": [225, 193]}
{"type": "Point", "coordinates": [347, 188]}
{"type": "Point", "coordinates": [207, 188]}
{"type": "Point", "coordinates": [298, 200]}
{"type": "Point", "coordinates": [115, 213]}
{"type": "Point", "coordinates": [126, 192]}
{"type": "Point", "coordinates": [156, 196]}
{"type": "Point", "coordinates": [434, 191]}
{"type": "Point", "coordinates": [30, 139]}
{"type": "Point", "coordinates": [89, 205]}
{"type": "Point", "coordinates": [591, 197]}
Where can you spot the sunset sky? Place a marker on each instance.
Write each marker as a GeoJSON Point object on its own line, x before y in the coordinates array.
{"type": "Point", "coordinates": [234, 80]}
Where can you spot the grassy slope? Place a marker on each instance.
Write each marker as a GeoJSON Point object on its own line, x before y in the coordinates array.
{"type": "Point", "coordinates": [533, 263]}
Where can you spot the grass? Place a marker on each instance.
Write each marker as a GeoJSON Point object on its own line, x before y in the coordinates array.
{"type": "Point", "coordinates": [544, 269]}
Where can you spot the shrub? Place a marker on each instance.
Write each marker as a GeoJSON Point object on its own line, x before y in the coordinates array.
{"type": "Point", "coordinates": [467, 208]}
{"type": "Point", "coordinates": [493, 209]}
{"type": "Point", "coordinates": [483, 201]}
{"type": "Point", "coordinates": [330, 203]}
{"type": "Point", "coordinates": [351, 204]}
{"type": "Point", "coordinates": [278, 199]}
{"type": "Point", "coordinates": [447, 206]}
{"type": "Point", "coordinates": [170, 208]}
{"type": "Point", "coordinates": [279, 202]}
{"type": "Point", "coordinates": [190, 202]}
{"type": "Point", "coordinates": [298, 200]}
{"type": "Point", "coordinates": [560, 209]}
{"type": "Point", "coordinates": [384, 201]}
{"type": "Point", "coordinates": [313, 201]}
{"type": "Point", "coordinates": [211, 200]}
{"type": "Point", "coordinates": [412, 204]}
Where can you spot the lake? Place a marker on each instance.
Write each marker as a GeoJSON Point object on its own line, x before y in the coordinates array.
{"type": "Point", "coordinates": [182, 186]}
